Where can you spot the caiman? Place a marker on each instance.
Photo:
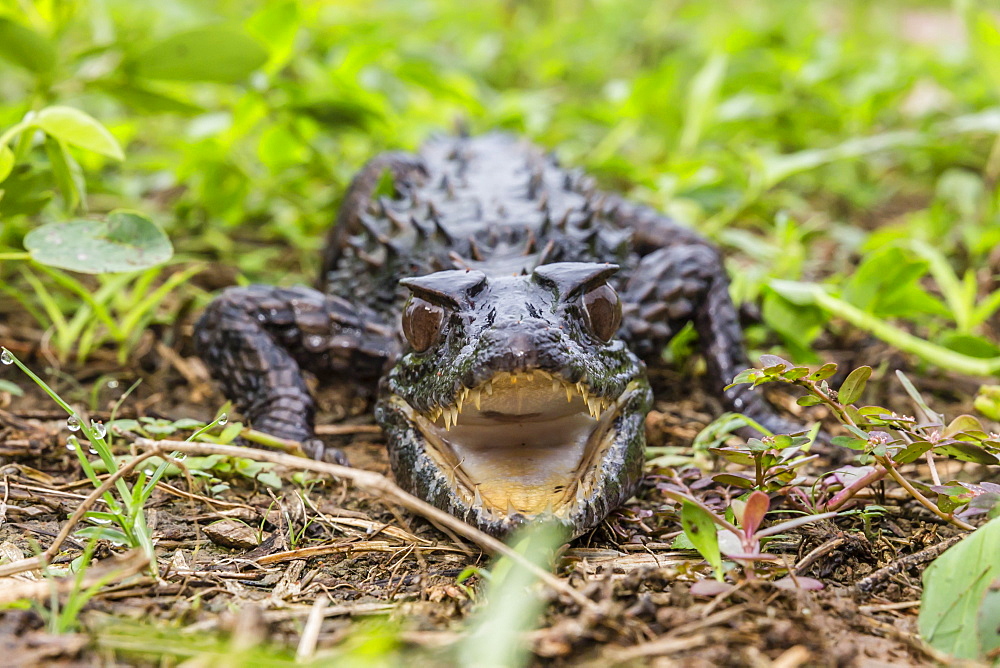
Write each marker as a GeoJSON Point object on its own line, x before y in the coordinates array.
{"type": "Point", "coordinates": [506, 310]}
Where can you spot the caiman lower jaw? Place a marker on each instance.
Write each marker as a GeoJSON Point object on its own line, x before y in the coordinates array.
{"type": "Point", "coordinates": [526, 444]}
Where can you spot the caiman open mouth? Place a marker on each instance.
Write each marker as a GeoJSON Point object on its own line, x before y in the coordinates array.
{"type": "Point", "coordinates": [526, 443]}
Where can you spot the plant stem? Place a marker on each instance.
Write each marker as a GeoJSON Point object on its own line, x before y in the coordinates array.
{"type": "Point", "coordinates": [923, 500]}
{"type": "Point", "coordinates": [846, 494]}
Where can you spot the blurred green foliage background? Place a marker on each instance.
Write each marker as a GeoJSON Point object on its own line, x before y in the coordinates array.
{"type": "Point", "coordinates": [810, 137]}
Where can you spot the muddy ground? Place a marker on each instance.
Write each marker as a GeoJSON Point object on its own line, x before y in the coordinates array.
{"type": "Point", "coordinates": [244, 566]}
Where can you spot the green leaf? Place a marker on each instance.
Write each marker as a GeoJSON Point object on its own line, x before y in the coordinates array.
{"type": "Point", "coordinates": [960, 424]}
{"type": "Point", "coordinates": [989, 620]}
{"type": "Point", "coordinates": [6, 162]}
{"type": "Point", "coordinates": [78, 128]}
{"type": "Point", "coordinates": [849, 442]}
{"type": "Point", "coordinates": [699, 527]}
{"type": "Point", "coordinates": [67, 174]}
{"type": "Point", "coordinates": [912, 452]}
{"type": "Point", "coordinates": [987, 401]}
{"type": "Point", "coordinates": [128, 241]}
{"type": "Point", "coordinates": [966, 452]}
{"type": "Point", "coordinates": [23, 46]}
{"type": "Point", "coordinates": [733, 479]}
{"type": "Point", "coordinates": [954, 588]}
{"type": "Point", "coordinates": [824, 372]}
{"type": "Point", "coordinates": [854, 385]}
{"type": "Point", "coordinates": [11, 388]}
{"type": "Point", "coordinates": [210, 53]}
{"type": "Point", "coordinates": [808, 400]}
{"type": "Point", "coordinates": [986, 46]}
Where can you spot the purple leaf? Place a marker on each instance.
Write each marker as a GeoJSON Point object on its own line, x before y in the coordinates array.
{"type": "Point", "coordinates": [711, 588]}
{"type": "Point", "coordinates": [798, 582]}
{"type": "Point", "coordinates": [753, 514]}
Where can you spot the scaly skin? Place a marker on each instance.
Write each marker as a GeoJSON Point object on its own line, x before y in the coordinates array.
{"type": "Point", "coordinates": [491, 211]}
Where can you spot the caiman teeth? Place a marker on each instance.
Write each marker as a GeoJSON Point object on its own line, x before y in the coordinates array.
{"type": "Point", "coordinates": [526, 383]}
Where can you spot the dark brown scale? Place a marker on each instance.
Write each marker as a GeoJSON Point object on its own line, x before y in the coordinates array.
{"type": "Point", "coordinates": [493, 204]}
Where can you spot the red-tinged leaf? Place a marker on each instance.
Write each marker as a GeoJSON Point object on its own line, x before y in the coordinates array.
{"type": "Point", "coordinates": [752, 556]}
{"type": "Point", "coordinates": [711, 588]}
{"type": "Point", "coordinates": [773, 361]}
{"type": "Point", "coordinates": [798, 582]}
{"type": "Point", "coordinates": [756, 509]}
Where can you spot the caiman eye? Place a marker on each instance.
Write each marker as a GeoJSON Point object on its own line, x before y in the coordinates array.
{"type": "Point", "coordinates": [604, 311]}
{"type": "Point", "coordinates": [422, 322]}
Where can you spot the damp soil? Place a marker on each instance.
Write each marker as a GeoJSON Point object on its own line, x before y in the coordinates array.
{"type": "Point", "coordinates": [245, 563]}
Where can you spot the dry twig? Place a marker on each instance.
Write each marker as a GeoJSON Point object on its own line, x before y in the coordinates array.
{"type": "Point", "coordinates": [379, 485]}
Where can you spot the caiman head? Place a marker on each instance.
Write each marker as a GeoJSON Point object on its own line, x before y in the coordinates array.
{"type": "Point", "coordinates": [516, 400]}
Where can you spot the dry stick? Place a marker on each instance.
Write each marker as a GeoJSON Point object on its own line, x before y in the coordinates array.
{"type": "Point", "coordinates": [42, 559]}
{"type": "Point", "coordinates": [379, 485]}
{"type": "Point", "coordinates": [869, 582]}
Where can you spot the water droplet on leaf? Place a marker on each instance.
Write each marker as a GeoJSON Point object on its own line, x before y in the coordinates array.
{"type": "Point", "coordinates": [99, 429]}
{"type": "Point", "coordinates": [73, 423]}
{"type": "Point", "coordinates": [71, 443]}
{"type": "Point", "coordinates": [112, 384]}
{"type": "Point", "coordinates": [223, 419]}
{"type": "Point", "coordinates": [6, 357]}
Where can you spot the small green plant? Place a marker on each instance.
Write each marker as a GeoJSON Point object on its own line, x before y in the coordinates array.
{"type": "Point", "coordinates": [124, 521]}
{"type": "Point", "coordinates": [739, 539]}
{"type": "Point", "coordinates": [886, 441]}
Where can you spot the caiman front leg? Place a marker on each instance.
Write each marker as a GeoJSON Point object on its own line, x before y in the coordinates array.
{"type": "Point", "coordinates": [681, 278]}
{"type": "Point", "coordinates": [258, 340]}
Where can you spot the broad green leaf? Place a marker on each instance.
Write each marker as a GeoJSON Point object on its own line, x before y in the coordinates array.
{"type": "Point", "coordinates": [146, 100]}
{"type": "Point", "coordinates": [23, 46]}
{"type": "Point", "coordinates": [733, 479]}
{"type": "Point", "coordinates": [954, 588]}
{"type": "Point", "coordinates": [854, 385]}
{"type": "Point", "coordinates": [912, 452]}
{"type": "Point", "coordinates": [128, 241]}
{"type": "Point", "coordinates": [966, 452]}
{"type": "Point", "coordinates": [699, 527]}
{"type": "Point", "coordinates": [823, 372]}
{"type": "Point", "coordinates": [6, 162]}
{"type": "Point", "coordinates": [277, 24]}
{"type": "Point", "coordinates": [210, 53]}
{"type": "Point", "coordinates": [989, 620]}
{"type": "Point", "coordinates": [849, 442]}
{"type": "Point", "coordinates": [971, 345]}
{"type": "Point", "coordinates": [78, 128]}
{"type": "Point", "coordinates": [960, 424]}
